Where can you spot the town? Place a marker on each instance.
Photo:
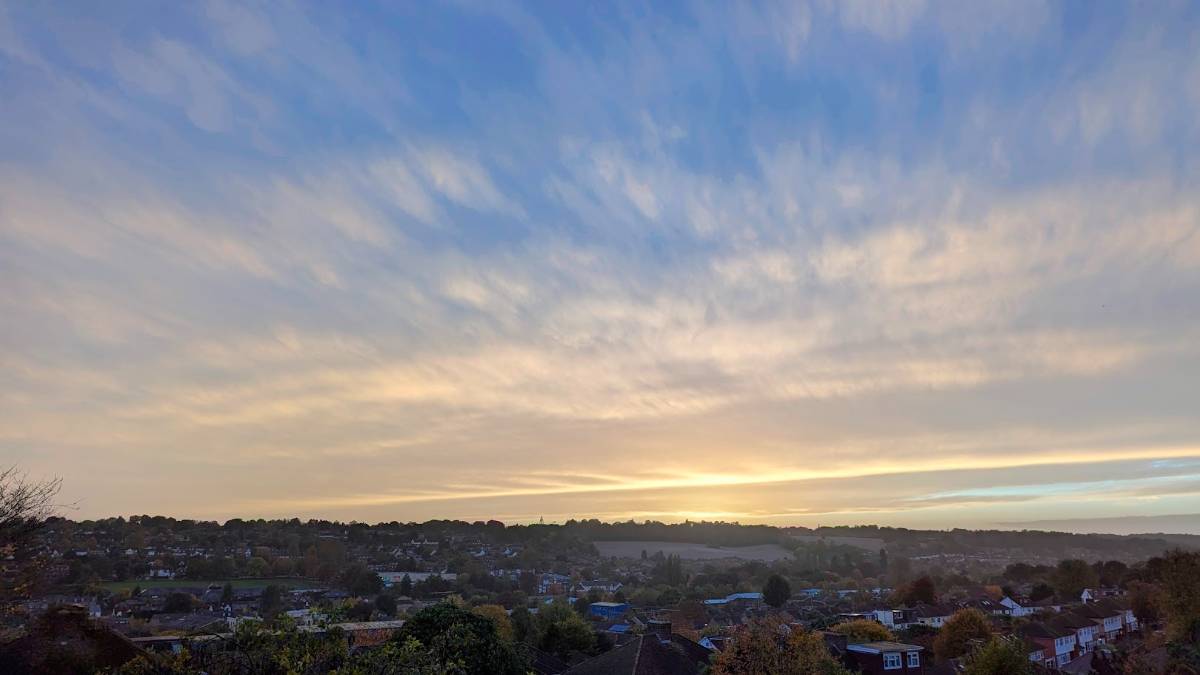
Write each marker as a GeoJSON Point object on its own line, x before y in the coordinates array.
{"type": "Point", "coordinates": [154, 594]}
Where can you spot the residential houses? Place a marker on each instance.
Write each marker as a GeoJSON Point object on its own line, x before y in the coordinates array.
{"type": "Point", "coordinates": [887, 658]}
{"type": "Point", "coordinates": [1083, 628]}
{"type": "Point", "coordinates": [1058, 644]}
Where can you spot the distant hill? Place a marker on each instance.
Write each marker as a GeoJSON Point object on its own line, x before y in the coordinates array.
{"type": "Point", "coordinates": [1187, 525]}
{"type": "Point", "coordinates": [1033, 545]}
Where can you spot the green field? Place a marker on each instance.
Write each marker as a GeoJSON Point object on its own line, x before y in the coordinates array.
{"type": "Point", "coordinates": [201, 583]}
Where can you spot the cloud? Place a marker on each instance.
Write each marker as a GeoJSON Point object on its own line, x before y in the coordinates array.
{"type": "Point", "coordinates": [699, 249]}
{"type": "Point", "coordinates": [178, 75]}
{"type": "Point", "coordinates": [889, 20]}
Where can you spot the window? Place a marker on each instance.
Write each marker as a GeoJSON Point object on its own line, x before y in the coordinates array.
{"type": "Point", "coordinates": [914, 659]}
{"type": "Point", "coordinates": [891, 661]}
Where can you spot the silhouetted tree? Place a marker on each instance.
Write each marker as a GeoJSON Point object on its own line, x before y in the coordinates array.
{"type": "Point", "coordinates": [776, 591]}
{"type": "Point", "coordinates": [25, 506]}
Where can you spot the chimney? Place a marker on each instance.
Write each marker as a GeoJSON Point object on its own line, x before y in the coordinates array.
{"type": "Point", "coordinates": [661, 628]}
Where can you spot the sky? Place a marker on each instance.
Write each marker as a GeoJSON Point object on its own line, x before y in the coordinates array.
{"type": "Point", "coordinates": [912, 263]}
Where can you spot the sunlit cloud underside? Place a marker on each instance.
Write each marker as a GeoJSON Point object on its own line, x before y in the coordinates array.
{"type": "Point", "coordinates": [802, 263]}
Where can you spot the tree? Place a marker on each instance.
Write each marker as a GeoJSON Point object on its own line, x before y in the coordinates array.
{"type": "Point", "coordinates": [499, 616]}
{"type": "Point", "coordinates": [359, 611]}
{"type": "Point", "coordinates": [806, 654]}
{"type": "Point", "coordinates": [360, 580]}
{"type": "Point", "coordinates": [899, 571]}
{"type": "Point", "coordinates": [1111, 572]}
{"type": "Point", "coordinates": [920, 590]}
{"type": "Point", "coordinates": [1000, 656]}
{"type": "Point", "coordinates": [1019, 572]}
{"type": "Point", "coordinates": [883, 561]}
{"type": "Point", "coordinates": [227, 593]}
{"type": "Point", "coordinates": [25, 505]}
{"type": "Point", "coordinates": [670, 571]}
{"type": "Point", "coordinates": [954, 639]}
{"type": "Point", "coordinates": [770, 646]}
{"type": "Point", "coordinates": [1041, 591]}
{"type": "Point", "coordinates": [406, 586]}
{"type": "Point", "coordinates": [1071, 577]}
{"type": "Point", "coordinates": [179, 602]}
{"type": "Point", "coordinates": [776, 591]}
{"type": "Point", "coordinates": [257, 567]}
{"type": "Point", "coordinates": [523, 627]}
{"type": "Point", "coordinates": [456, 635]}
{"type": "Point", "coordinates": [561, 631]}
{"type": "Point", "coordinates": [395, 658]}
{"type": "Point", "coordinates": [1143, 600]}
{"type": "Point", "coordinates": [386, 604]}
{"type": "Point", "coordinates": [1180, 599]}
{"type": "Point", "coordinates": [271, 602]}
{"type": "Point", "coordinates": [863, 630]}
{"type": "Point", "coordinates": [582, 605]}
{"type": "Point", "coordinates": [252, 649]}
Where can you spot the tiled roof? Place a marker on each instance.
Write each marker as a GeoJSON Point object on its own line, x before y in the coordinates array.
{"type": "Point", "coordinates": [1044, 631]}
{"type": "Point", "coordinates": [1072, 621]}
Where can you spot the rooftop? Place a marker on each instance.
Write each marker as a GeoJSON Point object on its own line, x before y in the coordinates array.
{"type": "Point", "coordinates": [883, 647]}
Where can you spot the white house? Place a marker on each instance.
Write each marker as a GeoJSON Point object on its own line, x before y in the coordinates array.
{"type": "Point", "coordinates": [1015, 607]}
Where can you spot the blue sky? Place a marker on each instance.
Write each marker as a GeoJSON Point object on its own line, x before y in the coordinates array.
{"type": "Point", "coordinates": [917, 263]}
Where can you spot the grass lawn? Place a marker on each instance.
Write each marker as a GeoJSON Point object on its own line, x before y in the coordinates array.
{"type": "Point", "coordinates": [201, 583]}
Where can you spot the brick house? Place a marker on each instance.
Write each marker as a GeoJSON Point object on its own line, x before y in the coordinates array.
{"type": "Point", "coordinates": [887, 658]}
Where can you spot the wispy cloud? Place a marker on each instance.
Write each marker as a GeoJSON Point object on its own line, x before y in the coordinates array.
{"type": "Point", "coordinates": [666, 253]}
